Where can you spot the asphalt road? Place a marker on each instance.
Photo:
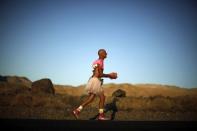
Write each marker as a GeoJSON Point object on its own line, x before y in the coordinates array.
{"type": "Point", "coordinates": [45, 125]}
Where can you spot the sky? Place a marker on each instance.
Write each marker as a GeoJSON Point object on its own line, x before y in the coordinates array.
{"type": "Point", "coordinates": [147, 41]}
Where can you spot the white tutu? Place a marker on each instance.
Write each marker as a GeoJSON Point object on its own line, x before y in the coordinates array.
{"type": "Point", "coordinates": [94, 86]}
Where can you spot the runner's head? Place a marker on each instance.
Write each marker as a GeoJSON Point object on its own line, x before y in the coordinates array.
{"type": "Point", "coordinates": [102, 53]}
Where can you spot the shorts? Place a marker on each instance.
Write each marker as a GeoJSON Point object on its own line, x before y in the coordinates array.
{"type": "Point", "coordinates": [94, 86]}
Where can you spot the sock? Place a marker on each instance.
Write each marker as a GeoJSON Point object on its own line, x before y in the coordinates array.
{"type": "Point", "coordinates": [101, 111]}
{"type": "Point", "coordinates": [80, 108]}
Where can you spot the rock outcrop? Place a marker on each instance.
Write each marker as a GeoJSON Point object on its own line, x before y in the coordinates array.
{"type": "Point", "coordinates": [43, 86]}
{"type": "Point", "coordinates": [119, 93]}
{"type": "Point", "coordinates": [15, 81]}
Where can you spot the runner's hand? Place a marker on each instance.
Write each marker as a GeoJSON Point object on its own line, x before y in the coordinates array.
{"type": "Point", "coordinates": [113, 75]}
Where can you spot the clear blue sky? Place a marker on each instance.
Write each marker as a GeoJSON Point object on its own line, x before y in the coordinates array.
{"type": "Point", "coordinates": [147, 41]}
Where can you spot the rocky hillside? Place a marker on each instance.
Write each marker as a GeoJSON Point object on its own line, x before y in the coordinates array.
{"type": "Point", "coordinates": [138, 90]}
{"type": "Point", "coordinates": [41, 99]}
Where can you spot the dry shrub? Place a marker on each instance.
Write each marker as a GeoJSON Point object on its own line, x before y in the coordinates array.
{"type": "Point", "coordinates": [71, 100]}
{"type": "Point", "coordinates": [40, 100]}
{"type": "Point", "coordinates": [160, 103]}
{"type": "Point", "coordinates": [22, 100]}
{"type": "Point", "coordinates": [5, 100]}
{"type": "Point", "coordinates": [125, 103]}
{"type": "Point", "coordinates": [12, 88]}
{"type": "Point", "coordinates": [186, 103]}
{"type": "Point", "coordinates": [55, 103]}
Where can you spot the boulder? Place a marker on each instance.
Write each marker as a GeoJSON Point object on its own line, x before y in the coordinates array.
{"type": "Point", "coordinates": [3, 79]}
{"type": "Point", "coordinates": [12, 85]}
{"type": "Point", "coordinates": [15, 81]}
{"type": "Point", "coordinates": [43, 86]}
{"type": "Point", "coordinates": [19, 80]}
{"type": "Point", "coordinates": [119, 93]}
